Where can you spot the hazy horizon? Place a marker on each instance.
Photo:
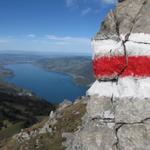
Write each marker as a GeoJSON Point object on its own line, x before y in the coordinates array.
{"type": "Point", "coordinates": [48, 53]}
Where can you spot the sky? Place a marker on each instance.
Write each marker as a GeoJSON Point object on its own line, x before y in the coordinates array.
{"type": "Point", "coordinates": [51, 25]}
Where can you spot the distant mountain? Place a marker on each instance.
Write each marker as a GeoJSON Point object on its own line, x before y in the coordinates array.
{"type": "Point", "coordinates": [80, 68]}
{"type": "Point", "coordinates": [9, 58]}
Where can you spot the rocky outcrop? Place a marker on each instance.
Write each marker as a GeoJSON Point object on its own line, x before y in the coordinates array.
{"type": "Point", "coordinates": [130, 16]}
{"type": "Point", "coordinates": [118, 114]}
{"type": "Point", "coordinates": [28, 134]}
{"type": "Point", "coordinates": [47, 133]}
{"type": "Point", "coordinates": [113, 124]}
{"type": "Point", "coordinates": [121, 59]}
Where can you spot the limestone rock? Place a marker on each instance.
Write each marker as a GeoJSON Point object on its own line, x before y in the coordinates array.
{"type": "Point", "coordinates": [128, 16]}
{"type": "Point", "coordinates": [118, 108]}
{"type": "Point", "coordinates": [101, 108]}
{"type": "Point", "coordinates": [94, 135]}
{"type": "Point", "coordinates": [64, 104]}
{"type": "Point", "coordinates": [127, 129]}
{"type": "Point", "coordinates": [131, 110]}
{"type": "Point", "coordinates": [134, 137]}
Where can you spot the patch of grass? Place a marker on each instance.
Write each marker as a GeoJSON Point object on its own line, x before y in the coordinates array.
{"type": "Point", "coordinates": [7, 133]}
{"type": "Point", "coordinates": [71, 118]}
{"type": "Point", "coordinates": [40, 124]}
{"type": "Point", "coordinates": [69, 122]}
{"type": "Point", "coordinates": [11, 130]}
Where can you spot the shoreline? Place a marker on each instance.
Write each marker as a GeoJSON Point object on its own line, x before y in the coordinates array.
{"type": "Point", "coordinates": [74, 77]}
{"type": "Point", "coordinates": [18, 89]}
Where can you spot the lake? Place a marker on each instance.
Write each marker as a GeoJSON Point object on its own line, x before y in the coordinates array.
{"type": "Point", "coordinates": [54, 87]}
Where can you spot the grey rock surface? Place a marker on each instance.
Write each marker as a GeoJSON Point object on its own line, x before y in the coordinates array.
{"type": "Point", "coordinates": [117, 123]}
{"type": "Point", "coordinates": [134, 137]}
{"type": "Point", "coordinates": [95, 134]}
{"type": "Point", "coordinates": [128, 129]}
{"type": "Point", "coordinates": [64, 104]}
{"type": "Point", "coordinates": [130, 16]}
{"type": "Point", "coordinates": [103, 108]}
{"type": "Point", "coordinates": [131, 110]}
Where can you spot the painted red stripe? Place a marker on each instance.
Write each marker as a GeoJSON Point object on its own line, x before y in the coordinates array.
{"type": "Point", "coordinates": [111, 66]}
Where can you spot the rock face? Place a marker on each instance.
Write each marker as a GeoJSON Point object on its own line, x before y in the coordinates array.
{"type": "Point", "coordinates": [118, 114]}
{"type": "Point", "coordinates": [113, 124]}
{"type": "Point", "coordinates": [121, 59]}
{"type": "Point", "coordinates": [130, 16]}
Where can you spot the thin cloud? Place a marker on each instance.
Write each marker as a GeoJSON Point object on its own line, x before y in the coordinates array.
{"type": "Point", "coordinates": [71, 3]}
{"type": "Point", "coordinates": [58, 38]}
{"type": "Point", "coordinates": [68, 39]}
{"type": "Point", "coordinates": [31, 35]}
{"type": "Point", "coordinates": [3, 41]}
{"type": "Point", "coordinates": [86, 6]}
{"type": "Point", "coordinates": [110, 1]}
{"type": "Point", "coordinates": [48, 43]}
{"type": "Point", "coordinates": [86, 11]}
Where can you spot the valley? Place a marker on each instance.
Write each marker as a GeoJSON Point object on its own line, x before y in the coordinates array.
{"type": "Point", "coordinates": [21, 107]}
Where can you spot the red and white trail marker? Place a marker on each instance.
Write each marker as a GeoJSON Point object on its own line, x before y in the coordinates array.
{"type": "Point", "coordinates": [109, 60]}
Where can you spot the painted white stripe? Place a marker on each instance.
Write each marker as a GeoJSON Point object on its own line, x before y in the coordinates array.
{"type": "Point", "coordinates": [140, 37]}
{"type": "Point", "coordinates": [111, 47]}
{"type": "Point", "coordinates": [126, 87]}
{"type": "Point", "coordinates": [135, 49]}
{"type": "Point", "coordinates": [106, 47]}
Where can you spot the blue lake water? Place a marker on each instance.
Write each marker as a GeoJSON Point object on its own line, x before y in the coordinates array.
{"type": "Point", "coordinates": [51, 86]}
